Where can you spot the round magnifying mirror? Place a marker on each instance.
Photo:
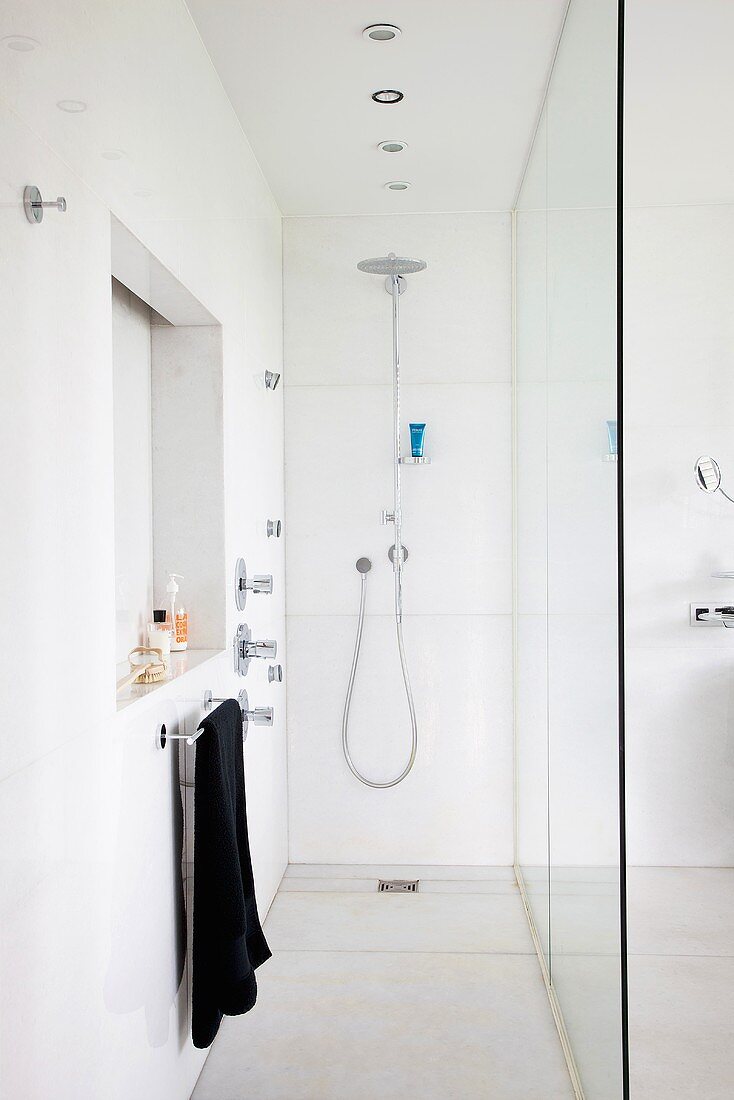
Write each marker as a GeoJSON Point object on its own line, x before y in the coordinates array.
{"type": "Point", "coordinates": [708, 474]}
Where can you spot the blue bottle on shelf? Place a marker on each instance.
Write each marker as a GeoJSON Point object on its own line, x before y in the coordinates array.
{"type": "Point", "coordinates": [417, 435]}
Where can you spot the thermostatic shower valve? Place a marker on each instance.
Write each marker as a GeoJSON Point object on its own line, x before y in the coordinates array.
{"type": "Point", "coordinates": [245, 649]}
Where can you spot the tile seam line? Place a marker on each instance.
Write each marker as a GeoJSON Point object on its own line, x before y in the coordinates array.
{"type": "Point", "coordinates": [497, 211]}
{"type": "Point", "coordinates": [431, 893]}
{"type": "Point", "coordinates": [388, 386]}
{"type": "Point", "coordinates": [529, 954]}
{"type": "Point", "coordinates": [406, 615]}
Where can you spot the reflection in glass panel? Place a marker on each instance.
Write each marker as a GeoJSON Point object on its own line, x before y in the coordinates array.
{"type": "Point", "coordinates": [566, 543]}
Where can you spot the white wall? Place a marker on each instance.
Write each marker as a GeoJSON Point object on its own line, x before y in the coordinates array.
{"type": "Point", "coordinates": [679, 404]}
{"type": "Point", "coordinates": [679, 398]}
{"type": "Point", "coordinates": [456, 805]}
{"type": "Point", "coordinates": [89, 845]}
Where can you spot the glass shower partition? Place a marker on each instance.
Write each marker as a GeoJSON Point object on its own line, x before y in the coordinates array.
{"type": "Point", "coordinates": [566, 509]}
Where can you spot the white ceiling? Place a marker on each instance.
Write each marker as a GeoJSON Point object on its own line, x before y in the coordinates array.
{"type": "Point", "coordinates": [300, 76]}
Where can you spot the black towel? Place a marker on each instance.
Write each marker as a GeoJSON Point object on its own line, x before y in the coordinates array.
{"type": "Point", "coordinates": [228, 940]}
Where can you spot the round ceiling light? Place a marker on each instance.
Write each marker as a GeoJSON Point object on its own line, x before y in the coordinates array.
{"type": "Point", "coordinates": [381, 32]}
{"type": "Point", "coordinates": [392, 146]}
{"type": "Point", "coordinates": [21, 43]}
{"type": "Point", "coordinates": [71, 106]}
{"type": "Point", "coordinates": [387, 95]}
{"type": "Point", "coordinates": [397, 185]}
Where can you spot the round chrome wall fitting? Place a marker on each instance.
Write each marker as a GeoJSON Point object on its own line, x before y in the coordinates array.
{"type": "Point", "coordinates": [242, 640]}
{"type": "Point", "coordinates": [240, 580]}
{"type": "Point", "coordinates": [391, 554]}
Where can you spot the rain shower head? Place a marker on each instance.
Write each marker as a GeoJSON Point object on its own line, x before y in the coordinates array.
{"type": "Point", "coordinates": [391, 265]}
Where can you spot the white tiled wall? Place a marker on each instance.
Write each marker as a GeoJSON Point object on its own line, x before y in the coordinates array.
{"type": "Point", "coordinates": [456, 806]}
{"type": "Point", "coordinates": [679, 397]}
{"type": "Point", "coordinates": [88, 840]}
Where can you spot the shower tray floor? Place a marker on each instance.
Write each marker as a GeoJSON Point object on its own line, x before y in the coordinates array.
{"type": "Point", "coordinates": [368, 995]}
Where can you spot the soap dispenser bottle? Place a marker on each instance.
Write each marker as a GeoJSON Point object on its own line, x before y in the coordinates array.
{"type": "Point", "coordinates": [179, 618]}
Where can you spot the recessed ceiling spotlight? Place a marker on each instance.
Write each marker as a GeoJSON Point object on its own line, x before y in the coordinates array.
{"type": "Point", "coordinates": [392, 146]}
{"type": "Point", "coordinates": [113, 154]}
{"type": "Point", "coordinates": [21, 43]}
{"type": "Point", "coordinates": [71, 106]}
{"type": "Point", "coordinates": [387, 95]}
{"type": "Point", "coordinates": [397, 185]}
{"type": "Point", "coordinates": [381, 32]}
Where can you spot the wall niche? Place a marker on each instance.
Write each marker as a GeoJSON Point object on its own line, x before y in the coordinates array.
{"type": "Point", "coordinates": [169, 459]}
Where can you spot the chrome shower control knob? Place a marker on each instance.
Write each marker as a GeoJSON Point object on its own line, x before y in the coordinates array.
{"type": "Point", "coordinates": [386, 517]}
{"type": "Point", "coordinates": [264, 648]}
{"type": "Point", "coordinates": [245, 649]}
{"type": "Point", "coordinates": [260, 716]}
{"type": "Point", "coordinates": [275, 674]}
{"type": "Point", "coordinates": [261, 582]}
{"type": "Point", "coordinates": [273, 528]}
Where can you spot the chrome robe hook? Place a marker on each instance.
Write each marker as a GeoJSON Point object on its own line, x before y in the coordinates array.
{"type": "Point", "coordinates": [34, 205]}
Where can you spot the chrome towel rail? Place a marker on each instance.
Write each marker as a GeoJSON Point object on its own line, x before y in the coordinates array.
{"type": "Point", "coordinates": [259, 716]}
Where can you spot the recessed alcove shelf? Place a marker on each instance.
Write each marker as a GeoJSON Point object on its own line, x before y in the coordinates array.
{"type": "Point", "coordinates": [181, 664]}
{"type": "Point", "coordinates": [169, 459]}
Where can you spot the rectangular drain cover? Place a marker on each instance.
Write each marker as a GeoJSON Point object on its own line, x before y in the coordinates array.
{"type": "Point", "coordinates": [398, 885]}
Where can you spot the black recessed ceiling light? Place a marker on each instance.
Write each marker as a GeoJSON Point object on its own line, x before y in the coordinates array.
{"type": "Point", "coordinates": [387, 95]}
{"type": "Point", "coordinates": [381, 32]}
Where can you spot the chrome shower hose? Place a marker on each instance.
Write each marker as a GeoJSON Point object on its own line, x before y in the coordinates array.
{"type": "Point", "coordinates": [406, 680]}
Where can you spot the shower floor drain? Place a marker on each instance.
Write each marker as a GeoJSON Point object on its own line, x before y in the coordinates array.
{"type": "Point", "coordinates": [398, 886]}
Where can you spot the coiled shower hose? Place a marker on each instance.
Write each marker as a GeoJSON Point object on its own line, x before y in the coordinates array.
{"type": "Point", "coordinates": [364, 566]}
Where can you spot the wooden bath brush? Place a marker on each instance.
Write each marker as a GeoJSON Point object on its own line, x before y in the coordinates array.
{"type": "Point", "coordinates": [146, 667]}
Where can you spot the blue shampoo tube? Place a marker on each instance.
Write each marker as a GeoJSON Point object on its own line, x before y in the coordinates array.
{"type": "Point", "coordinates": [417, 435]}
